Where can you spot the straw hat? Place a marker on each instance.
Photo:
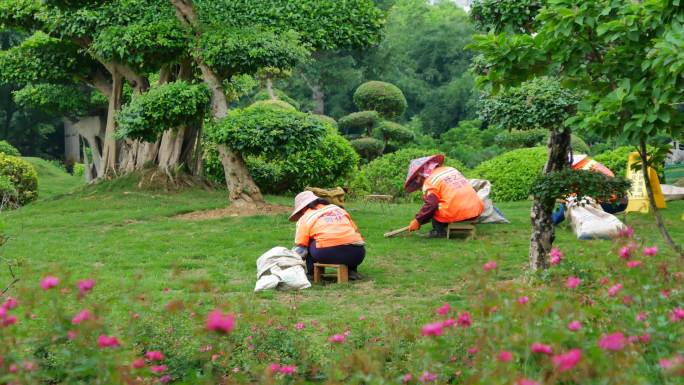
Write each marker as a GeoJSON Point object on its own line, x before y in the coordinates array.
{"type": "Point", "coordinates": [414, 168]}
{"type": "Point", "coordinates": [300, 202]}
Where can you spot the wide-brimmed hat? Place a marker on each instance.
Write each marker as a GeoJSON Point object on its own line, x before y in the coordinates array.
{"type": "Point", "coordinates": [300, 202]}
{"type": "Point", "coordinates": [415, 167]}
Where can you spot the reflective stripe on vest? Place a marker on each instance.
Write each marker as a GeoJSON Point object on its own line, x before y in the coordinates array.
{"type": "Point", "coordinates": [318, 213]}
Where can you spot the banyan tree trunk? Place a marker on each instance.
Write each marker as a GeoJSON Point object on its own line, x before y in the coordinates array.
{"type": "Point", "coordinates": [543, 232]}
{"type": "Point", "coordinates": [109, 152]}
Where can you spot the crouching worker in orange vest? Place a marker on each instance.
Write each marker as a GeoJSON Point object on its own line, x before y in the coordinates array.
{"type": "Point", "coordinates": [326, 234]}
{"type": "Point", "coordinates": [447, 194]}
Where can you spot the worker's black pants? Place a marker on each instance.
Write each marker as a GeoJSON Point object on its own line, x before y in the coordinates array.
{"type": "Point", "coordinates": [439, 228]}
{"type": "Point", "coordinates": [349, 255]}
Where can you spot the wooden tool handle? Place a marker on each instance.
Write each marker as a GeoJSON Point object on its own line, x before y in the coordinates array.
{"type": "Point", "coordinates": [396, 232]}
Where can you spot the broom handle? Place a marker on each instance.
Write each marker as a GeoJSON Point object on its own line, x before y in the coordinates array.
{"type": "Point", "coordinates": [396, 232]}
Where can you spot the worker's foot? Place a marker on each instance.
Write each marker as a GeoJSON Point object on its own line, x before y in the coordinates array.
{"type": "Point", "coordinates": [355, 276]}
{"type": "Point", "coordinates": [436, 234]}
{"type": "Point", "coordinates": [309, 277]}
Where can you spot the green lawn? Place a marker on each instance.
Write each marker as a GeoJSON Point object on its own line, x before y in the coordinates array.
{"type": "Point", "coordinates": [52, 180]}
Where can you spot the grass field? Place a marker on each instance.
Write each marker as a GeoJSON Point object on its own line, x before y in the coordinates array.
{"type": "Point", "coordinates": [131, 244]}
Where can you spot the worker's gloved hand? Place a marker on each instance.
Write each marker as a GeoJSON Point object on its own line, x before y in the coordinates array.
{"type": "Point", "coordinates": [414, 225]}
{"type": "Point", "coordinates": [301, 250]}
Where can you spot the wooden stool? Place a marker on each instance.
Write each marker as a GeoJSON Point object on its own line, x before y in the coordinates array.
{"type": "Point", "coordinates": [342, 272]}
{"type": "Point", "coordinates": [465, 228]}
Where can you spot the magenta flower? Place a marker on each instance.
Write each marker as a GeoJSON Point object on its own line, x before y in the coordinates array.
{"type": "Point", "coordinates": [525, 381]}
{"type": "Point", "coordinates": [49, 282]}
{"type": "Point", "coordinates": [406, 377]}
{"type": "Point", "coordinates": [288, 369]}
{"type": "Point", "coordinates": [505, 356]}
{"type": "Point", "coordinates": [625, 252]}
{"type": "Point", "coordinates": [85, 286]}
{"type": "Point", "coordinates": [447, 323]}
{"type": "Point", "coordinates": [651, 251]}
{"type": "Point", "coordinates": [612, 342]}
{"type": "Point", "coordinates": [613, 290]}
{"type": "Point", "coordinates": [9, 320]}
{"type": "Point", "coordinates": [555, 256]}
{"type": "Point", "coordinates": [71, 334]}
{"type": "Point", "coordinates": [299, 325]}
{"type": "Point", "coordinates": [627, 232]}
{"type": "Point", "coordinates": [574, 326]}
{"type": "Point", "coordinates": [523, 300]}
{"type": "Point", "coordinates": [645, 338]}
{"type": "Point", "coordinates": [154, 355]}
{"type": "Point", "coordinates": [633, 264]}
{"type": "Point", "coordinates": [362, 317]}
{"type": "Point", "coordinates": [677, 314]}
{"type": "Point", "coordinates": [538, 347]}
{"type": "Point", "coordinates": [83, 315]}
{"type": "Point", "coordinates": [491, 265]}
{"type": "Point", "coordinates": [427, 377]}
{"type": "Point", "coordinates": [572, 282]}
{"type": "Point", "coordinates": [158, 369]}
{"type": "Point", "coordinates": [566, 361]}
{"type": "Point", "coordinates": [105, 341]}
{"type": "Point", "coordinates": [464, 319]}
{"type": "Point", "coordinates": [274, 368]}
{"type": "Point", "coordinates": [165, 379]}
{"type": "Point", "coordinates": [337, 338]}
{"type": "Point", "coordinates": [10, 303]}
{"type": "Point", "coordinates": [671, 363]}
{"type": "Point", "coordinates": [444, 309]}
{"type": "Point", "coordinates": [138, 363]}
{"type": "Point", "coordinates": [641, 316]}
{"type": "Point", "coordinates": [433, 329]}
{"type": "Point", "coordinates": [220, 322]}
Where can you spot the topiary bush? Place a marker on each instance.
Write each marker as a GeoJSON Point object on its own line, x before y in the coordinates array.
{"type": "Point", "coordinates": [281, 104]}
{"type": "Point", "coordinates": [616, 159]}
{"type": "Point", "coordinates": [325, 119]}
{"type": "Point", "coordinates": [387, 174]}
{"type": "Point", "coordinates": [22, 175]}
{"type": "Point", "coordinates": [521, 138]}
{"type": "Point", "coordinates": [8, 149]}
{"type": "Point", "coordinates": [368, 148]}
{"type": "Point", "coordinates": [263, 95]}
{"type": "Point", "coordinates": [385, 98]}
{"type": "Point", "coordinates": [358, 123]}
{"type": "Point", "coordinates": [513, 173]}
{"type": "Point", "coordinates": [395, 133]}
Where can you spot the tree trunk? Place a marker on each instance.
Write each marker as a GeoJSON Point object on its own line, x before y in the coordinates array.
{"type": "Point", "coordinates": [170, 149]}
{"type": "Point", "coordinates": [660, 223]}
{"type": "Point", "coordinates": [109, 153]}
{"type": "Point", "coordinates": [543, 232]}
{"type": "Point", "coordinates": [318, 98]}
{"type": "Point", "coordinates": [269, 88]}
{"type": "Point", "coordinates": [241, 187]}
{"type": "Point", "coordinates": [71, 143]}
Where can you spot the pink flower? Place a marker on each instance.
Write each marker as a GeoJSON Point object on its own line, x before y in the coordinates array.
{"type": "Point", "coordinates": [71, 334]}
{"type": "Point", "coordinates": [464, 319]}
{"type": "Point", "coordinates": [627, 232]}
{"type": "Point", "coordinates": [612, 342]}
{"type": "Point", "coordinates": [645, 338]}
{"type": "Point", "coordinates": [154, 355]}
{"type": "Point", "coordinates": [274, 368]}
{"type": "Point", "coordinates": [633, 264]}
{"type": "Point", "coordinates": [105, 341]}
{"type": "Point", "coordinates": [49, 282]}
{"type": "Point", "coordinates": [677, 314]}
{"type": "Point", "coordinates": [505, 356]}
{"type": "Point", "coordinates": [671, 363]}
{"type": "Point", "coordinates": [556, 256]}
{"type": "Point", "coordinates": [406, 377]}
{"type": "Point", "coordinates": [299, 325]}
{"type": "Point", "coordinates": [641, 316]}
{"type": "Point", "coordinates": [651, 251]}
{"type": "Point", "coordinates": [138, 363]}
{"type": "Point", "coordinates": [572, 282]}
{"type": "Point", "coordinates": [158, 369]}
{"type": "Point", "coordinates": [10, 304]}
{"type": "Point", "coordinates": [448, 323]}
{"type": "Point", "coordinates": [538, 347]}
{"type": "Point", "coordinates": [85, 286]}
{"type": "Point", "coordinates": [625, 252]}
{"type": "Point", "coordinates": [665, 293]}
{"type": "Point", "coordinates": [566, 361]}
{"type": "Point", "coordinates": [83, 315]}
{"type": "Point", "coordinates": [9, 321]}
{"type": "Point", "coordinates": [525, 381]}
{"type": "Point", "coordinates": [288, 369]}
{"type": "Point", "coordinates": [220, 322]}
{"type": "Point", "coordinates": [574, 326]}
{"type": "Point", "coordinates": [523, 300]}
{"type": "Point", "coordinates": [337, 338]}
{"type": "Point", "coordinates": [491, 265]}
{"type": "Point", "coordinates": [472, 350]}
{"type": "Point", "coordinates": [362, 317]}
{"type": "Point", "coordinates": [427, 377]}
{"type": "Point", "coordinates": [433, 329]}
{"type": "Point", "coordinates": [13, 368]}
{"type": "Point", "coordinates": [444, 309]}
{"type": "Point", "coordinates": [165, 379]}
{"type": "Point", "coordinates": [613, 290]}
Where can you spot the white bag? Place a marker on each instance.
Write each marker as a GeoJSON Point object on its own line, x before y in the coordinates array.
{"type": "Point", "coordinates": [672, 193]}
{"type": "Point", "coordinates": [281, 268]}
{"type": "Point", "coordinates": [589, 221]}
{"type": "Point", "coordinates": [490, 214]}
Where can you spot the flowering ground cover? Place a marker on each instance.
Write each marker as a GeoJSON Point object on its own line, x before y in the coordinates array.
{"type": "Point", "coordinates": [114, 289]}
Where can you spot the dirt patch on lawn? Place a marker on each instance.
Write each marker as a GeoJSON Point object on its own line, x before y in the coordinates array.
{"type": "Point", "coordinates": [235, 211]}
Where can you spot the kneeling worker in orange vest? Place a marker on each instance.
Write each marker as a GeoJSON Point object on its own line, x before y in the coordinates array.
{"type": "Point", "coordinates": [447, 194]}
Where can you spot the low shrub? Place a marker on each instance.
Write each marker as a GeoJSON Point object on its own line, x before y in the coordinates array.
{"type": "Point", "coordinates": [521, 138]}
{"type": "Point", "coordinates": [358, 123]}
{"type": "Point", "coordinates": [513, 173]}
{"type": "Point", "coordinates": [469, 143]}
{"type": "Point", "coordinates": [79, 169]}
{"type": "Point", "coordinates": [8, 193]}
{"type": "Point", "coordinates": [387, 174]}
{"type": "Point", "coordinates": [368, 148]}
{"type": "Point", "coordinates": [8, 149]}
{"type": "Point", "coordinates": [385, 98]}
{"type": "Point", "coordinates": [616, 159]}
{"type": "Point", "coordinates": [22, 175]}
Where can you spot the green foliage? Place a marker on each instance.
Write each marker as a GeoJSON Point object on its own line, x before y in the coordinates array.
{"type": "Point", "coordinates": [386, 174]}
{"type": "Point", "coordinates": [325, 119]}
{"type": "Point", "coordinates": [358, 123]}
{"type": "Point", "coordinates": [559, 184]}
{"type": "Point", "coordinates": [368, 148]}
{"type": "Point", "coordinates": [513, 173]}
{"type": "Point", "coordinates": [19, 13]}
{"type": "Point", "coordinates": [616, 159]}
{"type": "Point", "coordinates": [538, 103]}
{"type": "Point", "coordinates": [263, 95]}
{"type": "Point", "coordinates": [8, 149]}
{"type": "Point", "coordinates": [8, 193]}
{"type": "Point", "coordinates": [395, 132]}
{"type": "Point", "coordinates": [469, 143]}
{"type": "Point", "coordinates": [261, 130]}
{"type": "Point", "coordinates": [169, 105]}
{"type": "Point", "coordinates": [79, 170]}
{"type": "Point", "coordinates": [579, 146]}
{"type": "Point", "coordinates": [521, 138]}
{"type": "Point", "coordinates": [22, 175]}
{"type": "Point", "coordinates": [61, 100]}
{"type": "Point", "coordinates": [505, 15]}
{"type": "Point", "coordinates": [277, 104]}
{"type": "Point", "coordinates": [385, 98]}
{"type": "Point", "coordinates": [230, 51]}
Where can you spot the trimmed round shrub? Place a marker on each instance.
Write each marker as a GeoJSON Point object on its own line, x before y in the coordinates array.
{"type": "Point", "coordinates": [387, 174]}
{"type": "Point", "coordinates": [395, 132]}
{"type": "Point", "coordinates": [368, 148]}
{"type": "Point", "coordinates": [8, 149]}
{"type": "Point", "coordinates": [22, 175]}
{"type": "Point", "coordinates": [385, 98]}
{"type": "Point", "coordinates": [325, 119]}
{"type": "Point", "coordinates": [358, 122]}
{"type": "Point", "coordinates": [263, 95]}
{"type": "Point", "coordinates": [522, 138]}
{"type": "Point", "coordinates": [270, 103]}
{"type": "Point", "coordinates": [513, 173]}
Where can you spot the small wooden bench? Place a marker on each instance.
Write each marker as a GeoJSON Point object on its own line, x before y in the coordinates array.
{"type": "Point", "coordinates": [319, 272]}
{"type": "Point", "coordinates": [461, 228]}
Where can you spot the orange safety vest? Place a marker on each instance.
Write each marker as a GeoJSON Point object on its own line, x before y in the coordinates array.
{"type": "Point", "coordinates": [329, 225]}
{"type": "Point", "coordinates": [458, 200]}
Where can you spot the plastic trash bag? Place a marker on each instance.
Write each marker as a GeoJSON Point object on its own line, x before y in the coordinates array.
{"type": "Point", "coordinates": [589, 221]}
{"type": "Point", "coordinates": [281, 268]}
{"type": "Point", "coordinates": [490, 214]}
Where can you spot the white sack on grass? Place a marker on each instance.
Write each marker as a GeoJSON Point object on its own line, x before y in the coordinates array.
{"type": "Point", "coordinates": [281, 268]}
{"type": "Point", "coordinates": [490, 214]}
{"type": "Point", "coordinates": [591, 222]}
{"type": "Point", "coordinates": [672, 193]}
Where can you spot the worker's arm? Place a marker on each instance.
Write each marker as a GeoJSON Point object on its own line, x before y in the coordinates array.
{"type": "Point", "coordinates": [302, 234]}
{"type": "Point", "coordinates": [429, 208]}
